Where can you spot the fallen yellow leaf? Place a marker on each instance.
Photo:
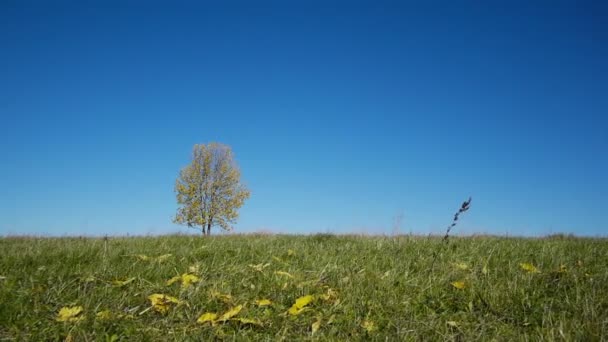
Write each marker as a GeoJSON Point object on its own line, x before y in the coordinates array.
{"type": "Point", "coordinates": [368, 325]}
{"type": "Point", "coordinates": [529, 267]}
{"type": "Point", "coordinates": [300, 305]}
{"type": "Point", "coordinates": [194, 268]}
{"type": "Point", "coordinates": [173, 280]}
{"type": "Point", "coordinates": [104, 315]}
{"type": "Point", "coordinates": [207, 317]}
{"type": "Point", "coordinates": [226, 298]}
{"type": "Point", "coordinates": [120, 283]}
{"type": "Point", "coordinates": [459, 285]}
{"type": "Point", "coordinates": [70, 314]}
{"type": "Point", "coordinates": [188, 280]}
{"type": "Point", "coordinates": [250, 321]}
{"type": "Point", "coordinates": [162, 302]}
{"type": "Point", "coordinates": [262, 302]}
{"type": "Point", "coordinates": [230, 313]}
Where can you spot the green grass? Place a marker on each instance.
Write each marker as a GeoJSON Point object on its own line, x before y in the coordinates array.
{"type": "Point", "coordinates": [384, 280]}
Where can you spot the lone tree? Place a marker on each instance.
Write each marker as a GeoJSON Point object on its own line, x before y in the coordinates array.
{"type": "Point", "coordinates": [209, 191]}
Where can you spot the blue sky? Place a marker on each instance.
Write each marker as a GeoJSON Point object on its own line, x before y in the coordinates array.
{"type": "Point", "coordinates": [342, 115]}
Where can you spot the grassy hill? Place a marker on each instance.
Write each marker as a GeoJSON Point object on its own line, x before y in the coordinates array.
{"type": "Point", "coordinates": [319, 287]}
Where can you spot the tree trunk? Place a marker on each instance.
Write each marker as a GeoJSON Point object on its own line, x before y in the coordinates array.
{"type": "Point", "coordinates": [208, 228]}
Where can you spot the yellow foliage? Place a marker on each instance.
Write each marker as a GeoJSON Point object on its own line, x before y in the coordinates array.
{"type": "Point", "coordinates": [162, 302]}
{"type": "Point", "coordinates": [194, 268]}
{"type": "Point", "coordinates": [300, 305]}
{"type": "Point", "coordinates": [104, 315]}
{"type": "Point", "coordinates": [230, 313]}
{"type": "Point", "coordinates": [250, 321]}
{"type": "Point", "coordinates": [459, 285]}
{"type": "Point", "coordinates": [70, 314]}
{"type": "Point", "coordinates": [186, 279]}
{"type": "Point", "coordinates": [262, 302]}
{"type": "Point", "coordinates": [368, 325]}
{"type": "Point", "coordinates": [207, 317]}
{"type": "Point", "coordinates": [528, 267]}
{"type": "Point", "coordinates": [226, 298]}
{"type": "Point", "coordinates": [122, 282]}
{"type": "Point", "coordinates": [173, 280]}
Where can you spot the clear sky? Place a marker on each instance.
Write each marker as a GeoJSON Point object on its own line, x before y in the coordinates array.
{"type": "Point", "coordinates": [342, 115]}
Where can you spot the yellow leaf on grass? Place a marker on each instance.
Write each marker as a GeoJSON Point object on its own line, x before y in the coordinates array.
{"type": "Point", "coordinates": [459, 285]}
{"type": "Point", "coordinates": [226, 298]}
{"type": "Point", "coordinates": [453, 324]}
{"type": "Point", "coordinates": [283, 273]}
{"type": "Point", "coordinates": [262, 302]}
{"type": "Point", "coordinates": [70, 314]}
{"type": "Point", "coordinates": [142, 257]}
{"type": "Point", "coordinates": [250, 321]}
{"type": "Point", "coordinates": [230, 313]}
{"type": "Point", "coordinates": [300, 305]}
{"type": "Point", "coordinates": [104, 315]}
{"type": "Point", "coordinates": [485, 270]}
{"type": "Point", "coordinates": [194, 268]}
{"type": "Point", "coordinates": [173, 280]}
{"type": "Point", "coordinates": [162, 302]}
{"type": "Point", "coordinates": [207, 317]}
{"type": "Point", "coordinates": [528, 267]}
{"type": "Point", "coordinates": [188, 280]}
{"type": "Point", "coordinates": [562, 269]}
{"type": "Point", "coordinates": [123, 282]}
{"type": "Point", "coordinates": [330, 295]}
{"type": "Point", "coordinates": [291, 252]}
{"type": "Point", "coordinates": [368, 325]}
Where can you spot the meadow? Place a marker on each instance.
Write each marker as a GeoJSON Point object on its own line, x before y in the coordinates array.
{"type": "Point", "coordinates": [316, 287]}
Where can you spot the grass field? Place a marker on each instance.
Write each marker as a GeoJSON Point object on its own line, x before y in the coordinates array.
{"type": "Point", "coordinates": [349, 288]}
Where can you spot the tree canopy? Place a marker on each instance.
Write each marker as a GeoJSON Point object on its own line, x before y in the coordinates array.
{"type": "Point", "coordinates": [209, 191]}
